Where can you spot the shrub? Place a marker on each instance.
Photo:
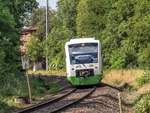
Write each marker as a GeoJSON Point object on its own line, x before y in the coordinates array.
{"type": "Point", "coordinates": [37, 86]}
{"type": "Point", "coordinates": [144, 79]}
{"type": "Point", "coordinates": [143, 105]}
{"type": "Point", "coordinates": [4, 108]}
{"type": "Point", "coordinates": [54, 87]}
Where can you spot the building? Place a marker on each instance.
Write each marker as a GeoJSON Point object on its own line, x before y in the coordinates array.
{"type": "Point", "coordinates": [25, 37]}
{"type": "Point", "coordinates": [26, 63]}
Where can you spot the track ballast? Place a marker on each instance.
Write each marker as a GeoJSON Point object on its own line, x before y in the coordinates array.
{"type": "Point", "coordinates": [57, 104]}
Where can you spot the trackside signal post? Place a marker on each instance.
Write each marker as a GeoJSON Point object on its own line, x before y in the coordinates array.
{"type": "Point", "coordinates": [25, 66]}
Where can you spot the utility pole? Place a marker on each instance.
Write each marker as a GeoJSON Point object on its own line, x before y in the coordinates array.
{"type": "Point", "coordinates": [46, 30]}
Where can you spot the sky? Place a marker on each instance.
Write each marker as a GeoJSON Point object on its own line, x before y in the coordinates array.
{"type": "Point", "coordinates": [52, 3]}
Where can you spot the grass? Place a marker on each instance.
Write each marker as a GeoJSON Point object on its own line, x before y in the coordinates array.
{"type": "Point", "coordinates": [136, 79]}
{"type": "Point", "coordinates": [138, 85]}
{"type": "Point", "coordinates": [116, 77]}
{"type": "Point", "coordinates": [54, 87]}
{"type": "Point", "coordinates": [55, 72]}
{"type": "Point", "coordinates": [39, 88]}
{"type": "Point", "coordinates": [4, 108]}
{"type": "Point", "coordinates": [113, 77]}
{"type": "Point", "coordinates": [145, 78]}
{"type": "Point", "coordinates": [142, 105]}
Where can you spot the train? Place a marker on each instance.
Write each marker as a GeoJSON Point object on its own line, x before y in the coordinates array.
{"type": "Point", "coordinates": [83, 61]}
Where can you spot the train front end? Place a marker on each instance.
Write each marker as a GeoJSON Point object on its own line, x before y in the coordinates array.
{"type": "Point", "coordinates": [83, 61]}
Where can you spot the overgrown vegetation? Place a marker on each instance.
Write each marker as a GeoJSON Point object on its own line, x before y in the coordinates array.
{"type": "Point", "coordinates": [50, 72]}
{"type": "Point", "coordinates": [121, 26]}
{"type": "Point", "coordinates": [4, 107]}
{"type": "Point", "coordinates": [40, 87]}
{"type": "Point", "coordinates": [12, 81]}
{"type": "Point", "coordinates": [135, 85]}
{"type": "Point", "coordinates": [143, 105]}
{"type": "Point", "coordinates": [145, 78]}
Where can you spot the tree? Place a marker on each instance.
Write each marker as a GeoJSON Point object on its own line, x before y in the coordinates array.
{"type": "Point", "coordinates": [55, 45]}
{"type": "Point", "coordinates": [38, 20]}
{"type": "Point", "coordinates": [67, 14]}
{"type": "Point", "coordinates": [115, 35]}
{"type": "Point", "coordinates": [121, 26]}
{"type": "Point", "coordinates": [63, 27]}
{"type": "Point", "coordinates": [11, 13]}
{"type": "Point", "coordinates": [36, 44]}
{"type": "Point", "coordinates": [91, 18]}
{"type": "Point", "coordinates": [35, 50]}
{"type": "Point", "coordinates": [20, 9]}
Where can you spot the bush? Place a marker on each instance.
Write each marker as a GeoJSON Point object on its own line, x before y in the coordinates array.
{"type": "Point", "coordinates": [54, 87]}
{"type": "Point", "coordinates": [143, 105]}
{"type": "Point", "coordinates": [39, 86]}
{"type": "Point", "coordinates": [4, 108]}
{"type": "Point", "coordinates": [144, 79]}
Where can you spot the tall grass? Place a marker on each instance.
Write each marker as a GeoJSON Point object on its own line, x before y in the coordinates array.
{"type": "Point", "coordinates": [143, 104]}
{"type": "Point", "coordinates": [123, 75]}
{"type": "Point", "coordinates": [38, 88]}
{"type": "Point", "coordinates": [58, 72]}
{"type": "Point", "coordinates": [145, 78]}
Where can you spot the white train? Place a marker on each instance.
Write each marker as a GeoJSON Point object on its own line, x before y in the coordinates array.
{"type": "Point", "coordinates": [83, 61]}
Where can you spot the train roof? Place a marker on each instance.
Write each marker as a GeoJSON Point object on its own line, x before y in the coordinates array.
{"type": "Point", "coordinates": [82, 40]}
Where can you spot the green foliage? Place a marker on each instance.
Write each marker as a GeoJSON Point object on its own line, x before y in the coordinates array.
{"type": "Point", "coordinates": [4, 108]}
{"type": "Point", "coordinates": [62, 29]}
{"type": "Point", "coordinates": [12, 81]}
{"type": "Point", "coordinates": [20, 9]}
{"type": "Point", "coordinates": [55, 45]}
{"type": "Point", "coordinates": [91, 17]}
{"type": "Point", "coordinates": [143, 105]}
{"type": "Point", "coordinates": [37, 20]}
{"type": "Point", "coordinates": [117, 60]}
{"type": "Point", "coordinates": [144, 79]}
{"type": "Point", "coordinates": [121, 26]}
{"type": "Point", "coordinates": [127, 34]}
{"type": "Point", "coordinates": [67, 14]}
{"type": "Point", "coordinates": [54, 87]}
{"type": "Point", "coordinates": [35, 50]}
{"type": "Point", "coordinates": [39, 87]}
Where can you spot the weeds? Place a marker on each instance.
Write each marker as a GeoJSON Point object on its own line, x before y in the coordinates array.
{"type": "Point", "coordinates": [116, 77]}
{"type": "Point", "coordinates": [38, 88]}
{"type": "Point", "coordinates": [144, 79]}
{"type": "Point", "coordinates": [143, 104]}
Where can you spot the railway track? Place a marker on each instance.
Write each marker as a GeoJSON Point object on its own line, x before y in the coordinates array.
{"type": "Point", "coordinates": [59, 103]}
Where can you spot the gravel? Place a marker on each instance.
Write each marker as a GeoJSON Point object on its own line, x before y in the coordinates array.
{"type": "Point", "coordinates": [69, 99]}
{"type": "Point", "coordinates": [103, 100]}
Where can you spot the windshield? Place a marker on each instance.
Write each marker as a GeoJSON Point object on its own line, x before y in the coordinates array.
{"type": "Point", "coordinates": [83, 53]}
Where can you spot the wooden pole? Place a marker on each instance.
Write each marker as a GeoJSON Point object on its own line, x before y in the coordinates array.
{"type": "Point", "coordinates": [25, 66]}
{"type": "Point", "coordinates": [120, 106]}
{"type": "Point", "coordinates": [29, 88]}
